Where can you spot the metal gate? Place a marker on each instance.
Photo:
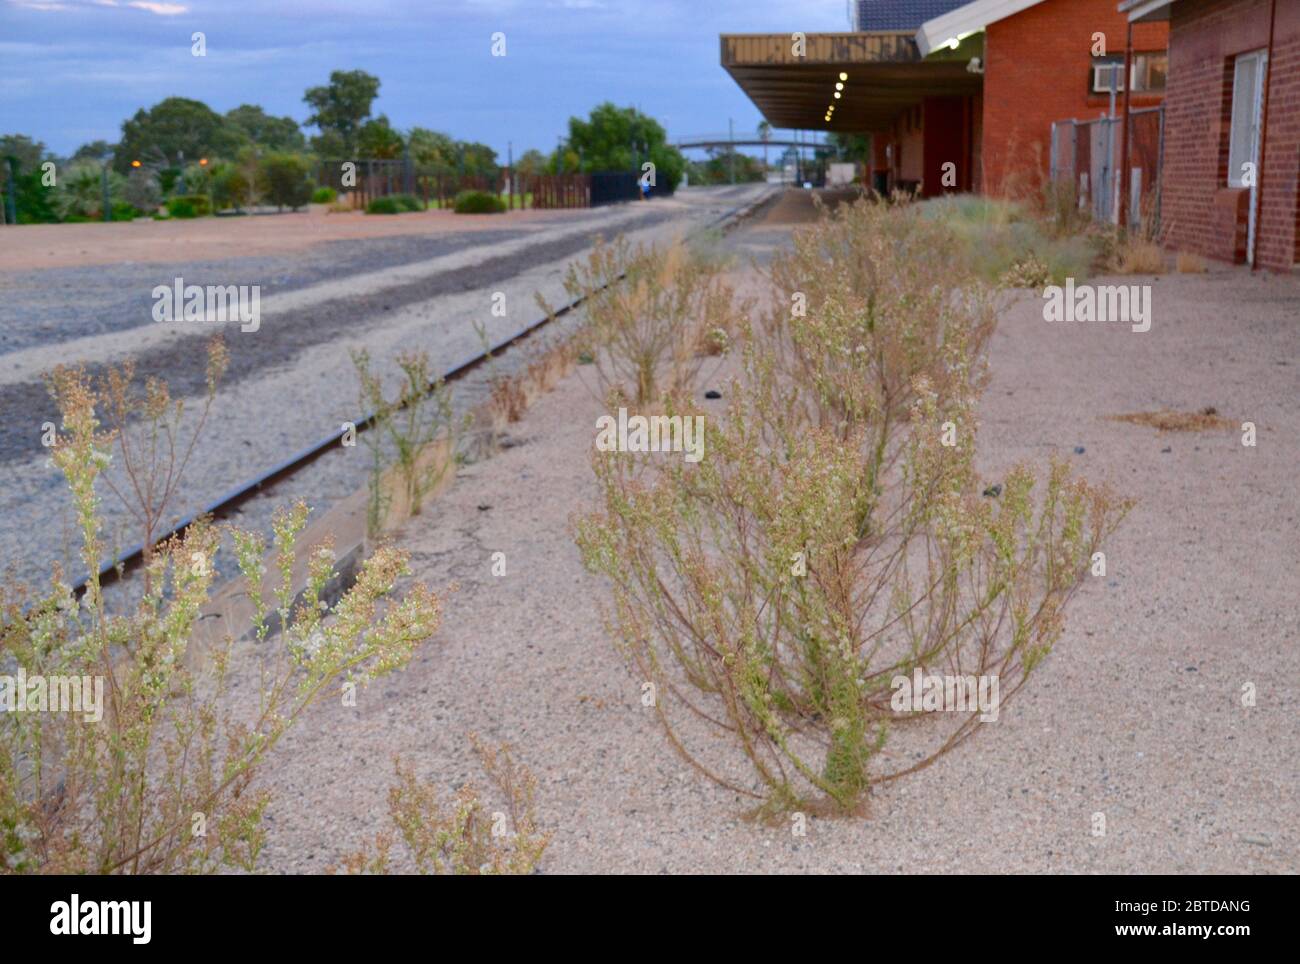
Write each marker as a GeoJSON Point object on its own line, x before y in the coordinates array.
{"type": "Point", "coordinates": [1086, 157]}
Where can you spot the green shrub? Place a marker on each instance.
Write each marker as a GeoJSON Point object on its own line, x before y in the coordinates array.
{"type": "Point", "coordinates": [478, 202]}
{"type": "Point", "coordinates": [231, 186]}
{"type": "Point", "coordinates": [323, 195]}
{"type": "Point", "coordinates": [285, 180]}
{"type": "Point", "coordinates": [125, 212]}
{"type": "Point", "coordinates": [409, 202]}
{"type": "Point", "coordinates": [1001, 241]}
{"type": "Point", "coordinates": [384, 205]}
{"type": "Point", "coordinates": [198, 205]}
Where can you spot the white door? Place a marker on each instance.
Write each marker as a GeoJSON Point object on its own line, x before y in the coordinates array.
{"type": "Point", "coordinates": [1248, 81]}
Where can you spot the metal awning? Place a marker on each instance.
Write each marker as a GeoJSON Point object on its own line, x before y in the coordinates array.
{"type": "Point", "coordinates": [1143, 11]}
{"type": "Point", "coordinates": [886, 75]}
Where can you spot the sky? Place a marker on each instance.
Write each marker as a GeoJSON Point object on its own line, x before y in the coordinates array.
{"type": "Point", "coordinates": [72, 70]}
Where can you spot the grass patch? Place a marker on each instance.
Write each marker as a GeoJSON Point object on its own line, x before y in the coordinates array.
{"type": "Point", "coordinates": [1207, 419]}
{"type": "Point", "coordinates": [1004, 242]}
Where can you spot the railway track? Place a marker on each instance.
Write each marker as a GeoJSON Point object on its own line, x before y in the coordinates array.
{"type": "Point", "coordinates": [227, 504]}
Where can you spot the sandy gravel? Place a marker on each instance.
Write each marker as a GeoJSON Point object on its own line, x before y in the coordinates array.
{"type": "Point", "coordinates": [39, 246]}
{"type": "Point", "coordinates": [1137, 713]}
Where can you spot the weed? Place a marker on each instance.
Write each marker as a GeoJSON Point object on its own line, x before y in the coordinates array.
{"type": "Point", "coordinates": [164, 779]}
{"type": "Point", "coordinates": [402, 430]}
{"type": "Point", "coordinates": [833, 540]}
{"type": "Point", "coordinates": [147, 444]}
{"type": "Point", "coordinates": [462, 838]}
{"type": "Point", "coordinates": [644, 334]}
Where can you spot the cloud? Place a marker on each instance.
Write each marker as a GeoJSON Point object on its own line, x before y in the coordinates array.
{"type": "Point", "coordinates": [161, 9]}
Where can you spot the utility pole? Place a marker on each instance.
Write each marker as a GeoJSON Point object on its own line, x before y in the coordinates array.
{"type": "Point", "coordinates": [731, 152]}
{"type": "Point", "coordinates": [1112, 191]}
{"type": "Point", "coordinates": [103, 183]}
{"type": "Point", "coordinates": [11, 195]}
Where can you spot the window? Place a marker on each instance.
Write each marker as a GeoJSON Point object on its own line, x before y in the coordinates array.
{"type": "Point", "coordinates": [1243, 142]}
{"type": "Point", "coordinates": [1148, 73]}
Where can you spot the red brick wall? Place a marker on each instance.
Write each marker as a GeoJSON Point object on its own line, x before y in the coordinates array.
{"type": "Point", "coordinates": [947, 137]}
{"type": "Point", "coordinates": [909, 145]}
{"type": "Point", "coordinates": [1278, 244]}
{"type": "Point", "coordinates": [1199, 212]}
{"type": "Point", "coordinates": [1037, 69]}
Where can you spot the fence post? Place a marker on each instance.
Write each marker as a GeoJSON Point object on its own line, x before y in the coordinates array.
{"type": "Point", "coordinates": [11, 194]}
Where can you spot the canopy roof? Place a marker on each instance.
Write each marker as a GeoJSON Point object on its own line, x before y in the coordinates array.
{"type": "Point", "coordinates": [886, 75]}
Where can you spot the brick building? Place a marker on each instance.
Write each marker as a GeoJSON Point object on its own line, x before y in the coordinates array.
{"type": "Point", "coordinates": [1046, 61]}
{"type": "Point", "coordinates": [1230, 187]}
{"type": "Point", "coordinates": [956, 96]}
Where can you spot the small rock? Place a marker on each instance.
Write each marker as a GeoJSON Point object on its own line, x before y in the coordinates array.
{"type": "Point", "coordinates": [1166, 450]}
{"type": "Point", "coordinates": [1079, 450]}
{"type": "Point", "coordinates": [1258, 839]}
{"type": "Point", "coordinates": [993, 491]}
{"type": "Point", "coordinates": [713, 393]}
{"type": "Point", "coordinates": [484, 508]}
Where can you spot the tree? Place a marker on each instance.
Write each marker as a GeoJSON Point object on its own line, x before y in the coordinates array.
{"type": "Point", "coordinates": [34, 199]}
{"type": "Point", "coordinates": [531, 162]}
{"type": "Point", "coordinates": [717, 169]}
{"type": "Point", "coordinates": [851, 147]}
{"type": "Point", "coordinates": [26, 153]}
{"type": "Point", "coordinates": [173, 128]}
{"type": "Point", "coordinates": [477, 160]}
{"type": "Point", "coordinates": [432, 150]}
{"type": "Point", "coordinates": [94, 151]}
{"type": "Point", "coordinates": [80, 191]}
{"type": "Point", "coordinates": [376, 138]}
{"type": "Point", "coordinates": [285, 180]}
{"type": "Point", "coordinates": [279, 134]}
{"type": "Point", "coordinates": [622, 139]}
{"type": "Point", "coordinates": [234, 183]}
{"type": "Point", "coordinates": [341, 107]}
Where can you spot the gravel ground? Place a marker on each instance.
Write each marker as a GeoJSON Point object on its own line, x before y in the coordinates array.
{"type": "Point", "coordinates": [60, 305]}
{"type": "Point", "coordinates": [394, 300]}
{"type": "Point", "coordinates": [1137, 714]}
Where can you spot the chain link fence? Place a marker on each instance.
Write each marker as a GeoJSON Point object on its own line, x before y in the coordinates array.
{"type": "Point", "coordinates": [1086, 158]}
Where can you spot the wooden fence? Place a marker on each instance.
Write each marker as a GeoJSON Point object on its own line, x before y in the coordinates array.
{"type": "Point", "coordinates": [366, 180]}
